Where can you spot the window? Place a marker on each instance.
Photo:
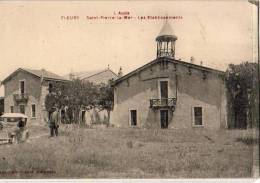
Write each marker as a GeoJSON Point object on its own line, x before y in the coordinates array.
{"type": "Point", "coordinates": [50, 87]}
{"type": "Point", "coordinates": [22, 86]}
{"type": "Point", "coordinates": [12, 109]}
{"type": "Point", "coordinates": [22, 109]}
{"type": "Point", "coordinates": [164, 89]}
{"type": "Point", "coordinates": [33, 110]}
{"type": "Point", "coordinates": [197, 116]}
{"type": "Point", "coordinates": [133, 117]}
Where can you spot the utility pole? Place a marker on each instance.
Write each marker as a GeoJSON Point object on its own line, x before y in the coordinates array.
{"type": "Point", "coordinates": [256, 154]}
{"type": "Point", "coordinates": [256, 3]}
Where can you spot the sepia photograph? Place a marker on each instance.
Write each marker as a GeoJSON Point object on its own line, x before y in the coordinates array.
{"type": "Point", "coordinates": [129, 89]}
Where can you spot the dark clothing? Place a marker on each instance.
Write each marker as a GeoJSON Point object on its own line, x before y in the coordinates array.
{"type": "Point", "coordinates": [54, 120]}
{"type": "Point", "coordinates": [54, 130]}
{"type": "Point", "coordinates": [21, 124]}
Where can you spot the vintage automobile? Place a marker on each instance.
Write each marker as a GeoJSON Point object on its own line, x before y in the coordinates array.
{"type": "Point", "coordinates": [13, 128]}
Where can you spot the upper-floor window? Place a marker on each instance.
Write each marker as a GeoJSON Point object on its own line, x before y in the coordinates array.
{"type": "Point", "coordinates": [12, 109]}
{"type": "Point", "coordinates": [22, 109]}
{"type": "Point", "coordinates": [22, 86]}
{"type": "Point", "coordinates": [197, 116]}
{"type": "Point", "coordinates": [163, 91]}
{"type": "Point", "coordinates": [50, 87]}
{"type": "Point", "coordinates": [33, 110]}
{"type": "Point", "coordinates": [163, 88]}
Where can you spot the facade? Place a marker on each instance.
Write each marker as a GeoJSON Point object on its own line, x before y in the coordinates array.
{"type": "Point", "coordinates": [25, 92]}
{"type": "Point", "coordinates": [169, 93]}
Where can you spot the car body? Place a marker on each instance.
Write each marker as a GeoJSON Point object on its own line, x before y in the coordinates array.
{"type": "Point", "coordinates": [8, 127]}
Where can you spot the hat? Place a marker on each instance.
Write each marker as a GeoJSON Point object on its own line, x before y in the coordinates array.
{"type": "Point", "coordinates": [54, 109]}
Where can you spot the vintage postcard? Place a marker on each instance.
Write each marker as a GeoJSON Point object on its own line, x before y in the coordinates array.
{"type": "Point", "coordinates": [129, 89]}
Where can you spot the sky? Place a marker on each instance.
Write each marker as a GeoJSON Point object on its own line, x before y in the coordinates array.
{"type": "Point", "coordinates": [37, 34]}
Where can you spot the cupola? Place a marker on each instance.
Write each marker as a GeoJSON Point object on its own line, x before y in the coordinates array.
{"type": "Point", "coordinates": [166, 41]}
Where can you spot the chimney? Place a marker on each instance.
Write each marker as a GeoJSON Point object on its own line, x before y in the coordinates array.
{"type": "Point", "coordinates": [42, 74]}
{"type": "Point", "coordinates": [192, 60]}
{"type": "Point", "coordinates": [120, 72]}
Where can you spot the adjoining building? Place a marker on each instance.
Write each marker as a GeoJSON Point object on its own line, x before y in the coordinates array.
{"type": "Point", "coordinates": [96, 77]}
{"type": "Point", "coordinates": [91, 115]}
{"type": "Point", "coordinates": [25, 91]}
{"type": "Point", "coordinates": [170, 93]}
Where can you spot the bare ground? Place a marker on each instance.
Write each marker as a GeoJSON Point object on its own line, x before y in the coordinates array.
{"type": "Point", "coordinates": [129, 153]}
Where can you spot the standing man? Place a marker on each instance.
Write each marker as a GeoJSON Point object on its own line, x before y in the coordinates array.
{"type": "Point", "coordinates": [54, 122]}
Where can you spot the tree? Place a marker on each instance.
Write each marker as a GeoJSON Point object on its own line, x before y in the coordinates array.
{"type": "Point", "coordinates": [106, 97]}
{"type": "Point", "coordinates": [57, 96]}
{"type": "Point", "coordinates": [75, 95]}
{"type": "Point", "coordinates": [81, 94]}
{"type": "Point", "coordinates": [241, 82]}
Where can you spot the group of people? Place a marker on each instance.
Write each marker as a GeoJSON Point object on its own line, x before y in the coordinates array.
{"type": "Point", "coordinates": [53, 124]}
{"type": "Point", "coordinates": [21, 133]}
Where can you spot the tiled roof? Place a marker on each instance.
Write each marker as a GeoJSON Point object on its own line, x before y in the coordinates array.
{"type": "Point", "coordinates": [39, 73]}
{"type": "Point", "coordinates": [45, 74]}
{"type": "Point", "coordinates": [96, 76]}
{"type": "Point", "coordinates": [83, 74]}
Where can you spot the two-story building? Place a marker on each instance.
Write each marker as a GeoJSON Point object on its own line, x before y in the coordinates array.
{"type": "Point", "coordinates": [170, 93]}
{"type": "Point", "coordinates": [25, 91]}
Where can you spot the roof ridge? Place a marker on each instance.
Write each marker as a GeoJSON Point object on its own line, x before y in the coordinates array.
{"type": "Point", "coordinates": [30, 71]}
{"type": "Point", "coordinates": [47, 75]}
{"type": "Point", "coordinates": [99, 73]}
{"type": "Point", "coordinates": [43, 71]}
{"type": "Point", "coordinates": [170, 60]}
{"type": "Point", "coordinates": [90, 71]}
{"type": "Point", "coordinates": [112, 71]}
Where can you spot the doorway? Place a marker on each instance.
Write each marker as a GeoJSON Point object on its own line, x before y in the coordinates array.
{"type": "Point", "coordinates": [164, 118]}
{"type": "Point", "coordinates": [164, 93]}
{"type": "Point", "coordinates": [83, 116]}
{"type": "Point", "coordinates": [164, 89]}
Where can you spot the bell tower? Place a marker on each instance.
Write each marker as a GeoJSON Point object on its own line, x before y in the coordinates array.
{"type": "Point", "coordinates": [166, 41]}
